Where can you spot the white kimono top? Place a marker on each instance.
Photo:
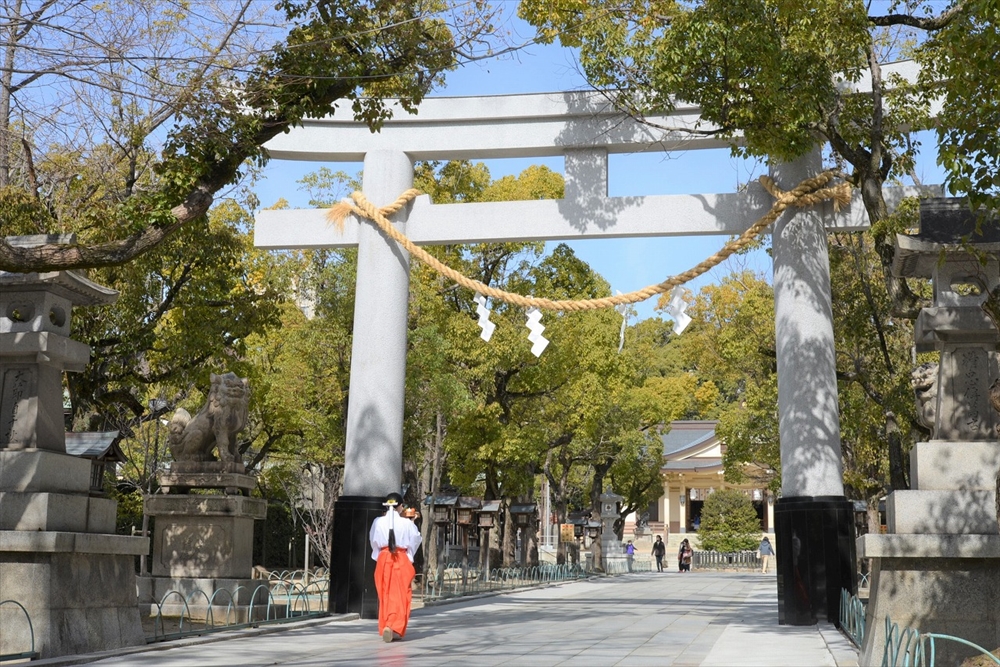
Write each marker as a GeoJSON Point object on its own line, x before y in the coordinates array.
{"type": "Point", "coordinates": [407, 535]}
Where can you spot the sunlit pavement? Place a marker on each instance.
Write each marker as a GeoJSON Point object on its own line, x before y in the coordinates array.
{"type": "Point", "coordinates": [698, 618]}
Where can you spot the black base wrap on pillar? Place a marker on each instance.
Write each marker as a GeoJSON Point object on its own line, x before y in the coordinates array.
{"type": "Point", "coordinates": [352, 570]}
{"type": "Point", "coordinates": [815, 551]}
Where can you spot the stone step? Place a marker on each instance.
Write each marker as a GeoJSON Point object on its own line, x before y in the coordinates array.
{"type": "Point", "coordinates": [39, 471]}
{"type": "Point", "coordinates": [56, 512]}
{"type": "Point", "coordinates": [943, 466]}
{"type": "Point", "coordinates": [942, 512]}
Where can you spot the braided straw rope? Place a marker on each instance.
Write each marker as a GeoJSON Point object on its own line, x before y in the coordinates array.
{"type": "Point", "coordinates": [807, 193]}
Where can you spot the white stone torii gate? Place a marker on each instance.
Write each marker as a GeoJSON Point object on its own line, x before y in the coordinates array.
{"type": "Point", "coordinates": [582, 127]}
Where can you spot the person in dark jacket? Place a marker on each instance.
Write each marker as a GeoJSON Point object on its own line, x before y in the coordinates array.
{"type": "Point", "coordinates": [659, 551]}
{"type": "Point", "coordinates": [766, 554]}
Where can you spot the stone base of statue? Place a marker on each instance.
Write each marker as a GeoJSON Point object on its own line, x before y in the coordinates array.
{"type": "Point", "coordinates": [947, 584]}
{"type": "Point", "coordinates": [203, 541]}
{"type": "Point", "coordinates": [60, 558]}
{"type": "Point", "coordinates": [187, 475]}
{"type": "Point", "coordinates": [938, 568]}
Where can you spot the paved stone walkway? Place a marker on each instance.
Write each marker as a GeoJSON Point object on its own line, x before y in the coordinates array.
{"type": "Point", "coordinates": [699, 618]}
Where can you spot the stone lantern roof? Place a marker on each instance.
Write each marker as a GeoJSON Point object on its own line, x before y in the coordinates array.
{"type": "Point", "coordinates": [69, 285]}
{"type": "Point", "coordinates": [946, 225]}
{"type": "Point", "coordinates": [957, 249]}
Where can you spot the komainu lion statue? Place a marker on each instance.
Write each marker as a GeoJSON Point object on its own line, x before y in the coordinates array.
{"type": "Point", "coordinates": [215, 426]}
{"type": "Point", "coordinates": [923, 379]}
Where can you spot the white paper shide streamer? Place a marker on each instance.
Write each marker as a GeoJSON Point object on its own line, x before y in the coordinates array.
{"type": "Point", "coordinates": [676, 309]}
{"type": "Point", "coordinates": [623, 311]}
{"type": "Point", "coordinates": [539, 343]}
{"type": "Point", "coordinates": [484, 317]}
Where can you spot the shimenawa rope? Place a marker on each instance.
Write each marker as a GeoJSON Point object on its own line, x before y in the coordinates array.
{"type": "Point", "coordinates": [807, 193]}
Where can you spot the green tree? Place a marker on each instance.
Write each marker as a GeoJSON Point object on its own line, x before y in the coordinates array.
{"type": "Point", "coordinates": [184, 311]}
{"type": "Point", "coordinates": [777, 79]}
{"type": "Point", "coordinates": [161, 106]}
{"type": "Point", "coordinates": [728, 522]}
{"type": "Point", "coordinates": [727, 355]}
{"type": "Point", "coordinates": [878, 413]}
{"type": "Point", "coordinates": [968, 141]}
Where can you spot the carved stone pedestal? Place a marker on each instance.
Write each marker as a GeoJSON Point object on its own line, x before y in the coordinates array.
{"type": "Point", "coordinates": [203, 541]}
{"type": "Point", "coordinates": [60, 558]}
{"type": "Point", "coordinates": [948, 584]}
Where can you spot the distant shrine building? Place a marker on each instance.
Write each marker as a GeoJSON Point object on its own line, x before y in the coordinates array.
{"type": "Point", "coordinates": [691, 470]}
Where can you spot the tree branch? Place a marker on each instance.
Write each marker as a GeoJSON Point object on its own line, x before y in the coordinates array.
{"type": "Point", "coordinates": [923, 23]}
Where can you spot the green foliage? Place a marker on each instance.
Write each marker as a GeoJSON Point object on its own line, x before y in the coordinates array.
{"type": "Point", "coordinates": [873, 364]}
{"type": "Point", "coordinates": [183, 312]}
{"type": "Point", "coordinates": [960, 64]}
{"type": "Point", "coordinates": [763, 68]}
{"type": "Point", "coordinates": [193, 117]}
{"type": "Point", "coordinates": [776, 77]}
{"type": "Point", "coordinates": [277, 537]}
{"type": "Point", "coordinates": [129, 509]}
{"type": "Point", "coordinates": [750, 430]}
{"type": "Point", "coordinates": [22, 214]}
{"type": "Point", "coordinates": [728, 522]}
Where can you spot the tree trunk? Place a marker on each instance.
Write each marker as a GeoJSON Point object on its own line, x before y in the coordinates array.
{"type": "Point", "coordinates": [904, 302]}
{"type": "Point", "coordinates": [558, 503]}
{"type": "Point", "coordinates": [874, 518]}
{"type": "Point", "coordinates": [597, 483]}
{"type": "Point", "coordinates": [432, 472]}
{"type": "Point", "coordinates": [6, 80]}
{"type": "Point", "coordinates": [998, 498]}
{"type": "Point", "coordinates": [531, 537]}
{"type": "Point", "coordinates": [508, 536]}
{"type": "Point", "coordinates": [897, 469]}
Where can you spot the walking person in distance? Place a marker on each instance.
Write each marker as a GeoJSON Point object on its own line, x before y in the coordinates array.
{"type": "Point", "coordinates": [659, 551]}
{"type": "Point", "coordinates": [684, 555]}
{"type": "Point", "coordinates": [766, 554]}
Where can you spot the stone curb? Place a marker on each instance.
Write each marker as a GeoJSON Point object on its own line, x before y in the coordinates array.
{"type": "Point", "coordinates": [844, 653]}
{"type": "Point", "coordinates": [196, 640]}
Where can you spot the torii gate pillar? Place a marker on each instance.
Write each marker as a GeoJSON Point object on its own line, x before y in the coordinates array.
{"type": "Point", "coordinates": [814, 527]}
{"type": "Point", "coordinates": [374, 449]}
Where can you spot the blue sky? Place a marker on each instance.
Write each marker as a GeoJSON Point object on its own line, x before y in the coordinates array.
{"type": "Point", "coordinates": [628, 264]}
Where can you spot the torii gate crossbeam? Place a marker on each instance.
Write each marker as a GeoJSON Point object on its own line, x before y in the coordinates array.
{"type": "Point", "coordinates": [583, 128]}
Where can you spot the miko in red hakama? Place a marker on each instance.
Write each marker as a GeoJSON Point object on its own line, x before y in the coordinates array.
{"type": "Point", "coordinates": [393, 580]}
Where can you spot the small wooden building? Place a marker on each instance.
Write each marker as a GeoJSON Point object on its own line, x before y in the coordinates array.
{"type": "Point", "coordinates": [102, 449]}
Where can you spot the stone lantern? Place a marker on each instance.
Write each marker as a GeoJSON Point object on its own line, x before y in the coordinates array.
{"type": "Point", "coordinates": [524, 515]}
{"type": "Point", "coordinates": [487, 520]}
{"type": "Point", "coordinates": [611, 546]}
{"type": "Point", "coordinates": [938, 568]}
{"type": "Point", "coordinates": [52, 529]}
